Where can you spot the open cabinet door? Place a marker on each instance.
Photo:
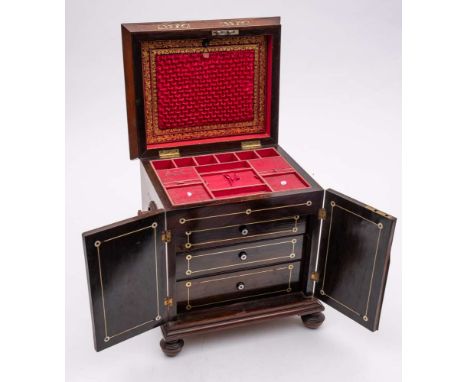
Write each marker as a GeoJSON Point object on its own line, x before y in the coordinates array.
{"type": "Point", "coordinates": [354, 258]}
{"type": "Point", "coordinates": [126, 268]}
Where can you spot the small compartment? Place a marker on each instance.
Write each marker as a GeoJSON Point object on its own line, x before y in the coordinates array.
{"type": "Point", "coordinates": [245, 155]}
{"type": "Point", "coordinates": [265, 153]}
{"type": "Point", "coordinates": [222, 167]}
{"type": "Point", "coordinates": [188, 194]}
{"type": "Point", "coordinates": [284, 182]}
{"type": "Point", "coordinates": [227, 157]}
{"type": "Point", "coordinates": [239, 191]}
{"type": "Point", "coordinates": [206, 159]}
{"type": "Point", "coordinates": [270, 164]}
{"type": "Point", "coordinates": [163, 164]}
{"type": "Point", "coordinates": [185, 162]}
{"type": "Point", "coordinates": [230, 179]}
{"type": "Point", "coordinates": [178, 175]}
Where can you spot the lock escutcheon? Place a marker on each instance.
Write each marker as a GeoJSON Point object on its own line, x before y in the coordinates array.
{"type": "Point", "coordinates": [240, 286]}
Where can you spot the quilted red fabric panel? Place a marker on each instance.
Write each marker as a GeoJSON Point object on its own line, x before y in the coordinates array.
{"type": "Point", "coordinates": [199, 89]}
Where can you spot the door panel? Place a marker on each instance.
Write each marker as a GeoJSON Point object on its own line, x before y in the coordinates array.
{"type": "Point", "coordinates": [354, 258]}
{"type": "Point", "coordinates": [126, 265]}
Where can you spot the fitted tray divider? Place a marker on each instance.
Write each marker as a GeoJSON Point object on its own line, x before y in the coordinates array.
{"type": "Point", "coordinates": [224, 175]}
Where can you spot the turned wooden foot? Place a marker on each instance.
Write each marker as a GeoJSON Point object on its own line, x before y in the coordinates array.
{"type": "Point", "coordinates": [171, 348]}
{"type": "Point", "coordinates": [313, 321]}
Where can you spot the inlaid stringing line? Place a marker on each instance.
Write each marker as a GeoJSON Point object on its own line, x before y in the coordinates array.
{"type": "Point", "coordinates": [236, 265]}
{"type": "Point", "coordinates": [126, 234]}
{"type": "Point", "coordinates": [237, 276]}
{"type": "Point", "coordinates": [354, 213]}
{"type": "Point", "coordinates": [237, 225]}
{"type": "Point", "coordinates": [166, 258]}
{"type": "Point", "coordinates": [347, 307]}
{"type": "Point", "coordinates": [102, 293]}
{"type": "Point", "coordinates": [296, 218]}
{"type": "Point", "coordinates": [189, 284]}
{"type": "Point", "coordinates": [241, 237]}
{"type": "Point", "coordinates": [373, 269]}
{"type": "Point", "coordinates": [158, 317]}
{"type": "Point", "coordinates": [127, 330]}
{"type": "Point", "coordinates": [246, 212]}
{"type": "Point", "coordinates": [98, 244]}
{"type": "Point", "coordinates": [322, 291]}
{"type": "Point", "coordinates": [242, 249]}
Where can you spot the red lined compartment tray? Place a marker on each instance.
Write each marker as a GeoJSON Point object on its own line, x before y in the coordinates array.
{"type": "Point", "coordinates": [231, 179]}
{"type": "Point", "coordinates": [178, 175]}
{"type": "Point", "coordinates": [225, 175]}
{"type": "Point", "coordinates": [191, 193]}
{"type": "Point", "coordinates": [285, 181]}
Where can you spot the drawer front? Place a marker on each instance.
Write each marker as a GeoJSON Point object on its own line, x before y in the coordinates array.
{"type": "Point", "coordinates": [234, 223]}
{"type": "Point", "coordinates": [242, 232]}
{"type": "Point", "coordinates": [237, 257]}
{"type": "Point", "coordinates": [236, 286]}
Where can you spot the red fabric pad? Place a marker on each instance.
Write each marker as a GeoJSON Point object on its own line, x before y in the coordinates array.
{"type": "Point", "coordinates": [248, 190]}
{"type": "Point", "coordinates": [188, 194]}
{"type": "Point", "coordinates": [284, 182]}
{"type": "Point", "coordinates": [196, 89]}
{"type": "Point", "coordinates": [206, 159]}
{"type": "Point", "coordinates": [269, 164]}
{"type": "Point", "coordinates": [231, 179]}
{"type": "Point", "coordinates": [181, 175]}
{"type": "Point", "coordinates": [227, 157]}
{"type": "Point", "coordinates": [243, 155]}
{"type": "Point", "coordinates": [163, 164]}
{"type": "Point", "coordinates": [222, 167]}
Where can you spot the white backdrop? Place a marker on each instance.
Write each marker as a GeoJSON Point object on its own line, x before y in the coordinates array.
{"type": "Point", "coordinates": [340, 118]}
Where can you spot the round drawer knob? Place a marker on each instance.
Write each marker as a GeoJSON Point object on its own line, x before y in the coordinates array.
{"type": "Point", "coordinates": [243, 230]}
{"type": "Point", "coordinates": [243, 256]}
{"type": "Point", "coordinates": [240, 286]}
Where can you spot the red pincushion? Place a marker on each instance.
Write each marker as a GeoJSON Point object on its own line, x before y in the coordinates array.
{"type": "Point", "coordinates": [200, 89]}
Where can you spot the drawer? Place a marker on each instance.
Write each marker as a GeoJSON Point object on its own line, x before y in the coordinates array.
{"type": "Point", "coordinates": [223, 224]}
{"type": "Point", "coordinates": [243, 232]}
{"type": "Point", "coordinates": [237, 257]}
{"type": "Point", "coordinates": [236, 286]}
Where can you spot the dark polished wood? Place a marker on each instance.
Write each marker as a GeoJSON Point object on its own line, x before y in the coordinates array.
{"type": "Point", "coordinates": [313, 321]}
{"type": "Point", "coordinates": [122, 260]}
{"type": "Point", "coordinates": [238, 257]}
{"type": "Point", "coordinates": [240, 314]}
{"type": "Point", "coordinates": [355, 255]}
{"type": "Point", "coordinates": [138, 269]}
{"type": "Point", "coordinates": [171, 348]}
{"type": "Point", "coordinates": [134, 34]}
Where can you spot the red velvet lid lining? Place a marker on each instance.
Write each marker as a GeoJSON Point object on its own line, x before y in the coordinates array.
{"type": "Point", "coordinates": [206, 94]}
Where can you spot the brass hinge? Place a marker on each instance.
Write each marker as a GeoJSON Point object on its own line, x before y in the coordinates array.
{"type": "Point", "coordinates": [251, 145]}
{"type": "Point", "coordinates": [166, 236]}
{"type": "Point", "coordinates": [168, 301]}
{"type": "Point", "coordinates": [322, 213]}
{"type": "Point", "coordinates": [168, 154]}
{"type": "Point", "coordinates": [315, 276]}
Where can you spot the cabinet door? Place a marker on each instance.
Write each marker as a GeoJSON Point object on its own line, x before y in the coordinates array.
{"type": "Point", "coordinates": [126, 268]}
{"type": "Point", "coordinates": [354, 258]}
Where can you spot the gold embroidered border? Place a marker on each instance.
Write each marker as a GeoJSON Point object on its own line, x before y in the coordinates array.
{"type": "Point", "coordinates": [150, 50]}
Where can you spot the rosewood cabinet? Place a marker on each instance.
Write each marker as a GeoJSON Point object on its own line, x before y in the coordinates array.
{"type": "Point", "coordinates": [232, 230]}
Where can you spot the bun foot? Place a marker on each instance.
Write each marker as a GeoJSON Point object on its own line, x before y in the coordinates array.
{"type": "Point", "coordinates": [171, 348]}
{"type": "Point", "coordinates": [313, 321]}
